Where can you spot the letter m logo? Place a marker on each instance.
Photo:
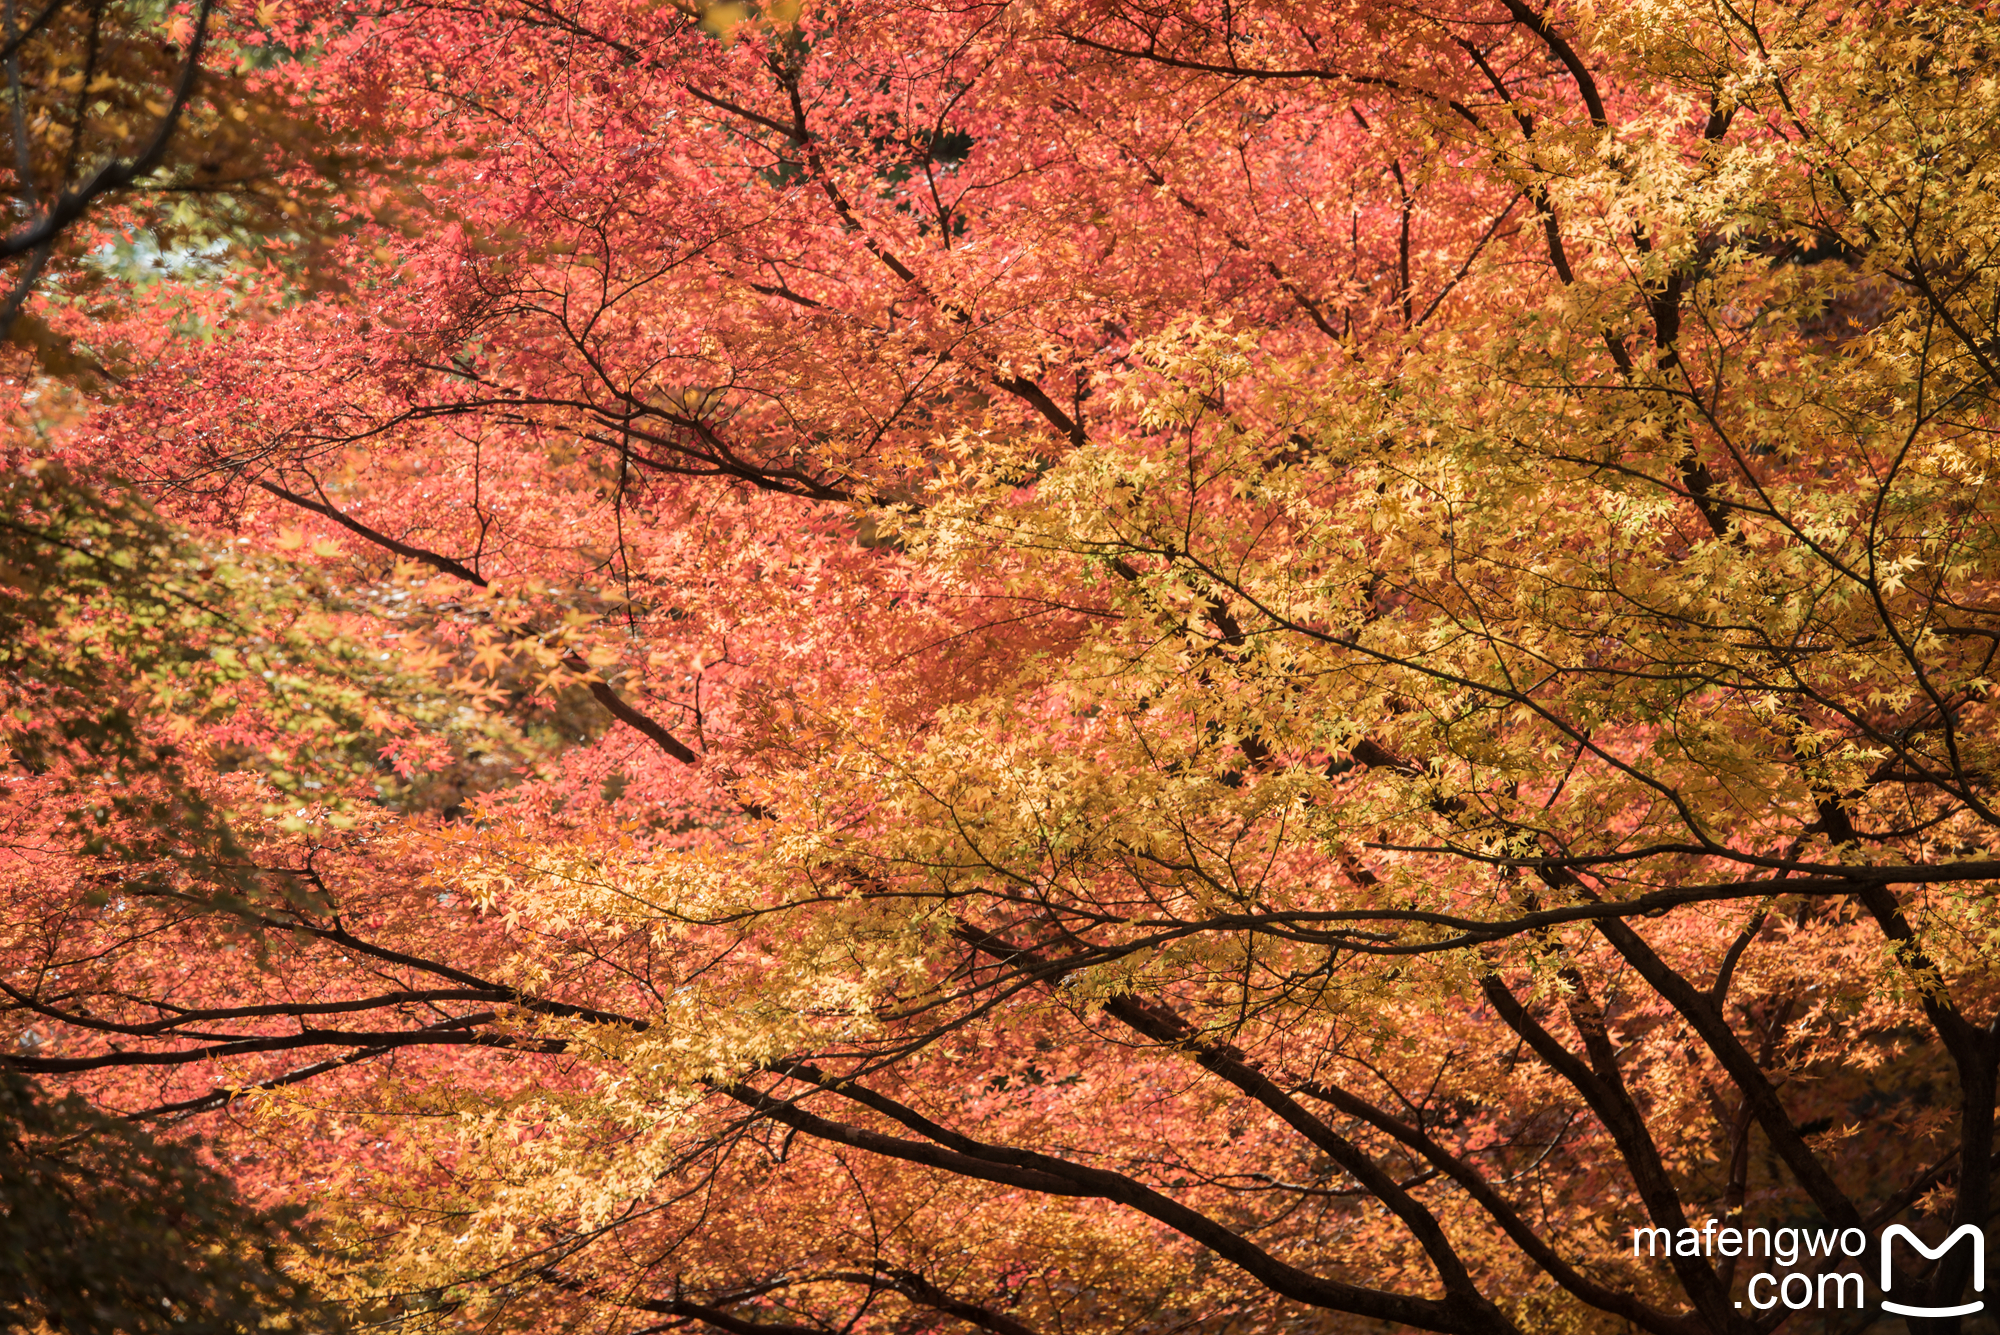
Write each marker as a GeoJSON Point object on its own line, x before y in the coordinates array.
{"type": "Point", "coordinates": [1895, 1231]}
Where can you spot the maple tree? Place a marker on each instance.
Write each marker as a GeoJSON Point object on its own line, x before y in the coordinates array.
{"type": "Point", "coordinates": [1085, 666]}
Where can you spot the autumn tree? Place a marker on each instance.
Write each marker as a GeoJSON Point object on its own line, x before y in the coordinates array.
{"type": "Point", "coordinates": [1257, 666]}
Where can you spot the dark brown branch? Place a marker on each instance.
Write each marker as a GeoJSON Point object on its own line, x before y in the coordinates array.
{"type": "Point", "coordinates": [600, 691]}
{"type": "Point", "coordinates": [449, 1033]}
{"type": "Point", "coordinates": [1698, 1010]}
{"type": "Point", "coordinates": [1586, 85]}
{"type": "Point", "coordinates": [1165, 1028]}
{"type": "Point", "coordinates": [1247, 72]}
{"type": "Point", "coordinates": [1603, 1089]}
{"type": "Point", "coordinates": [409, 552]}
{"type": "Point", "coordinates": [1045, 1174]}
{"type": "Point", "coordinates": [116, 175]}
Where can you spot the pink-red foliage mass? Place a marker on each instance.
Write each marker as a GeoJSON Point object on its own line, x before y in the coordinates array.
{"type": "Point", "coordinates": [1062, 665]}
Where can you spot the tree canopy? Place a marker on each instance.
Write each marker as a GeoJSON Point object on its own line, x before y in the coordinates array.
{"type": "Point", "coordinates": [1055, 665]}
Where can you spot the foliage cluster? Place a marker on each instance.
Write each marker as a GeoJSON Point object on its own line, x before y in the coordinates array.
{"type": "Point", "coordinates": [1151, 666]}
